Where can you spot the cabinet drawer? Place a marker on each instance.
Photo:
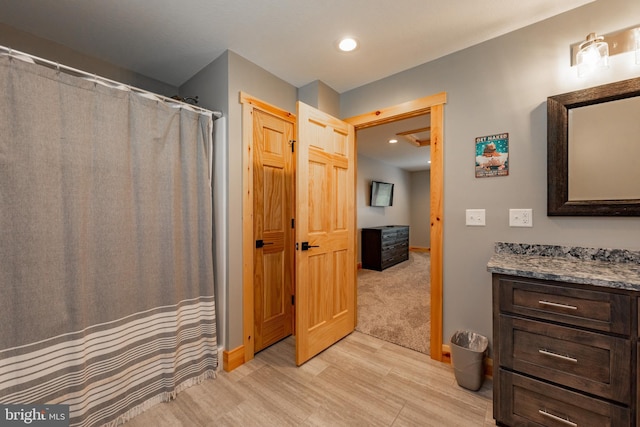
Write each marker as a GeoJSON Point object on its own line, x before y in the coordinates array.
{"type": "Point", "coordinates": [638, 304]}
{"type": "Point", "coordinates": [589, 361]}
{"type": "Point", "coordinates": [531, 402]}
{"type": "Point", "coordinates": [602, 311]}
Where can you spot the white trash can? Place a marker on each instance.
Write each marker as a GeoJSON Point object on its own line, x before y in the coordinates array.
{"type": "Point", "coordinates": [467, 354]}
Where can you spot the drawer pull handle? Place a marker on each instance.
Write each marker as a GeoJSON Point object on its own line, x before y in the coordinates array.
{"type": "Point", "coordinates": [557, 356]}
{"type": "Point", "coordinates": [555, 304]}
{"type": "Point", "coordinates": [557, 418]}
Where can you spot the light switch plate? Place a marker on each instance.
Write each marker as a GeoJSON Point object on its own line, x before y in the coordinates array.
{"type": "Point", "coordinates": [475, 217]}
{"type": "Point", "coordinates": [520, 218]}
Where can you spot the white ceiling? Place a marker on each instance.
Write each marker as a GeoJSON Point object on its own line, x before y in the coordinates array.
{"type": "Point", "coordinates": [373, 143]}
{"type": "Point", "coordinates": [172, 40]}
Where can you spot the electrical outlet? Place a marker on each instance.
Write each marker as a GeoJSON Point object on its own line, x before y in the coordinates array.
{"type": "Point", "coordinates": [475, 217]}
{"type": "Point", "coordinates": [520, 218]}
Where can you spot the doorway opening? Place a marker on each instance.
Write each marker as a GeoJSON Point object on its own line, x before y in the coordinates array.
{"type": "Point", "coordinates": [393, 302]}
{"type": "Point", "coordinates": [433, 105]}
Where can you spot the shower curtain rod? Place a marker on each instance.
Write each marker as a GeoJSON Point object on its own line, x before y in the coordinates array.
{"type": "Point", "coordinates": [58, 66]}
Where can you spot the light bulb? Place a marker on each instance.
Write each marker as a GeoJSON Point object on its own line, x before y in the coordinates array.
{"type": "Point", "coordinates": [347, 45]}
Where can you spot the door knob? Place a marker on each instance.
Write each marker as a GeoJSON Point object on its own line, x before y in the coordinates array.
{"type": "Point", "coordinates": [260, 243]}
{"type": "Point", "coordinates": [306, 246]}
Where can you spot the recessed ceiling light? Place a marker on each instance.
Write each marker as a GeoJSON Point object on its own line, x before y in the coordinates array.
{"type": "Point", "coordinates": [347, 44]}
{"type": "Point", "coordinates": [393, 141]}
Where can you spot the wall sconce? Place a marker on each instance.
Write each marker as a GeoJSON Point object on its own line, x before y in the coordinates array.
{"type": "Point", "coordinates": [594, 52]}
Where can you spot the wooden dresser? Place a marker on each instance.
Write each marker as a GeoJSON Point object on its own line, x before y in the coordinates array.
{"type": "Point", "coordinates": [383, 247]}
{"type": "Point", "coordinates": [565, 352]}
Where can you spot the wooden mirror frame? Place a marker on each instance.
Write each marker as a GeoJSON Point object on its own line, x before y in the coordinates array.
{"type": "Point", "coordinates": [558, 203]}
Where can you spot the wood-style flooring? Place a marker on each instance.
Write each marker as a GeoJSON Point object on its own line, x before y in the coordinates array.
{"type": "Point", "coordinates": [360, 381]}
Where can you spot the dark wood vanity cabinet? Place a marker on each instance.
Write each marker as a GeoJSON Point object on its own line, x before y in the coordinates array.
{"type": "Point", "coordinates": [383, 247]}
{"type": "Point", "coordinates": [565, 354]}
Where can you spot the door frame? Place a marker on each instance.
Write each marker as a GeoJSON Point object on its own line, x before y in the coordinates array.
{"type": "Point", "coordinates": [249, 104]}
{"type": "Point", "coordinates": [434, 105]}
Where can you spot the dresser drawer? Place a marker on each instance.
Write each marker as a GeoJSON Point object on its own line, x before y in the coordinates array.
{"type": "Point", "coordinates": [393, 259]}
{"type": "Point", "coordinates": [602, 311]}
{"type": "Point", "coordinates": [396, 248]}
{"type": "Point", "coordinates": [528, 402]}
{"type": "Point", "coordinates": [389, 236]}
{"type": "Point", "coordinates": [388, 258]}
{"type": "Point", "coordinates": [388, 245]}
{"type": "Point", "coordinates": [403, 233]}
{"type": "Point", "coordinates": [396, 259]}
{"type": "Point", "coordinates": [589, 361]}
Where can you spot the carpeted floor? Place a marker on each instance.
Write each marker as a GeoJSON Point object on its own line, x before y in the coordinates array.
{"type": "Point", "coordinates": [394, 304]}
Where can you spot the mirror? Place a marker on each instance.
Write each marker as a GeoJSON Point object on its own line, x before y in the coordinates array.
{"type": "Point", "coordinates": [593, 148]}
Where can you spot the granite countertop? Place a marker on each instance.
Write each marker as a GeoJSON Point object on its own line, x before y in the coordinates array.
{"type": "Point", "coordinates": [613, 268]}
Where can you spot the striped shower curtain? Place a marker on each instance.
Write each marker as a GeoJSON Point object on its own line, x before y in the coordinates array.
{"type": "Point", "coordinates": [106, 275]}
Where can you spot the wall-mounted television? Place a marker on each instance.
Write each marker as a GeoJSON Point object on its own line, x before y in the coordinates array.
{"type": "Point", "coordinates": [381, 193]}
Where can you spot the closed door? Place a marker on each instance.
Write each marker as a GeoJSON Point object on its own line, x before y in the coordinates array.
{"type": "Point", "coordinates": [325, 232]}
{"type": "Point", "coordinates": [273, 221]}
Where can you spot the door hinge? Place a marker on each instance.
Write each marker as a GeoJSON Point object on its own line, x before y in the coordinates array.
{"type": "Point", "coordinates": [293, 300]}
{"type": "Point", "coordinates": [293, 223]}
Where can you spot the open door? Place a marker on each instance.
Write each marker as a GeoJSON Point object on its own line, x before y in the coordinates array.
{"type": "Point", "coordinates": [325, 231]}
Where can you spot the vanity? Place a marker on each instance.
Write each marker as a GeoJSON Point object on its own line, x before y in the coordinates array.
{"type": "Point", "coordinates": [565, 335]}
{"type": "Point", "coordinates": [566, 346]}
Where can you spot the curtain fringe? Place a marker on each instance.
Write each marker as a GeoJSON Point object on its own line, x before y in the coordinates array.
{"type": "Point", "coordinates": [164, 397]}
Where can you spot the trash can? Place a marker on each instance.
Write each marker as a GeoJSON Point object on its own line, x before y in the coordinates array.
{"type": "Point", "coordinates": [467, 353]}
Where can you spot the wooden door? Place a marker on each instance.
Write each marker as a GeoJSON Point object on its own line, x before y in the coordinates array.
{"type": "Point", "coordinates": [273, 214]}
{"type": "Point", "coordinates": [325, 216]}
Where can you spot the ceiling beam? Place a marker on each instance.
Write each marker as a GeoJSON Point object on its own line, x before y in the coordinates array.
{"type": "Point", "coordinates": [411, 136]}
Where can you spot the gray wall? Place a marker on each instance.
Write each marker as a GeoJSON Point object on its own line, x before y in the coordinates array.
{"type": "Point", "coordinates": [420, 209]}
{"type": "Point", "coordinates": [211, 84]}
{"type": "Point", "coordinates": [247, 77]}
{"type": "Point", "coordinates": [28, 43]}
{"type": "Point", "coordinates": [321, 96]}
{"type": "Point", "coordinates": [501, 86]}
{"type": "Point", "coordinates": [219, 86]}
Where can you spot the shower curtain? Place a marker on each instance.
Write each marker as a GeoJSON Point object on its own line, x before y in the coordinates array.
{"type": "Point", "coordinates": [106, 269]}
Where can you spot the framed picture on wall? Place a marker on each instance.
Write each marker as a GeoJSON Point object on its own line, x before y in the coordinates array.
{"type": "Point", "coordinates": [492, 155]}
